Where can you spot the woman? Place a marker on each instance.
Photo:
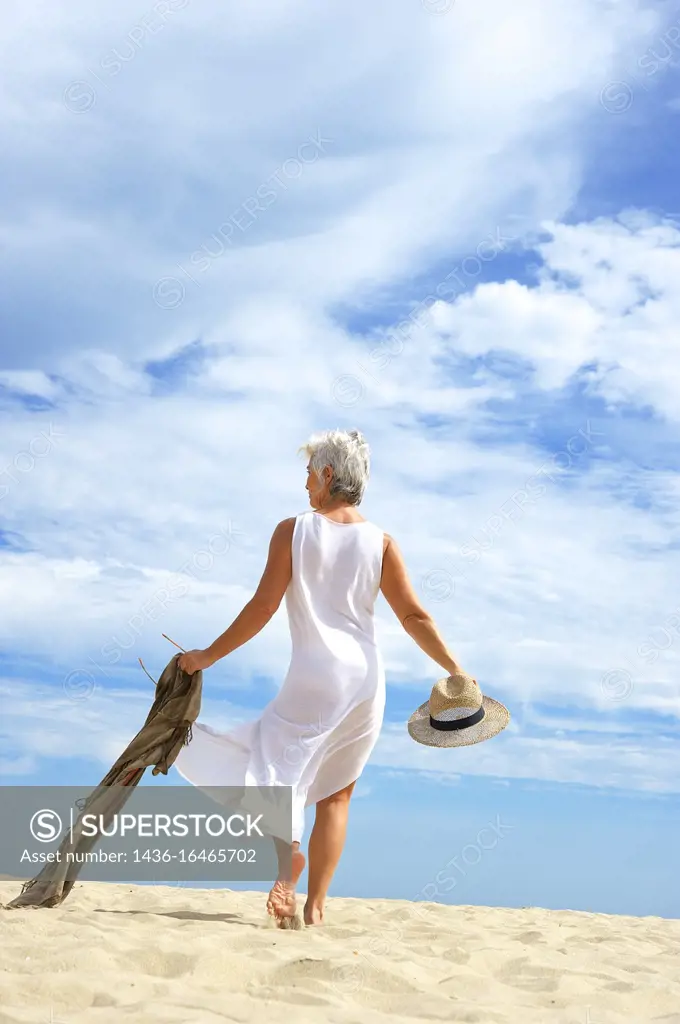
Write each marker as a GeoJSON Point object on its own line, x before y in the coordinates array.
{"type": "Point", "coordinates": [317, 734]}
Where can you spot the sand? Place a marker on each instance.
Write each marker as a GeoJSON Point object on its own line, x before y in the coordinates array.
{"type": "Point", "coordinates": [123, 953]}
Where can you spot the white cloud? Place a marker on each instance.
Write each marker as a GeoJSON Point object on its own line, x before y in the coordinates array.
{"type": "Point", "coordinates": [439, 128]}
{"type": "Point", "coordinates": [613, 764]}
{"type": "Point", "coordinates": [607, 296]}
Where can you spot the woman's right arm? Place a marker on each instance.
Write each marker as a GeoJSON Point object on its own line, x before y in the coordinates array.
{"type": "Point", "coordinates": [402, 599]}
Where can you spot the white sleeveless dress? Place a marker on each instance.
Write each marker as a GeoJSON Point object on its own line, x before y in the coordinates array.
{"type": "Point", "coordinates": [317, 734]}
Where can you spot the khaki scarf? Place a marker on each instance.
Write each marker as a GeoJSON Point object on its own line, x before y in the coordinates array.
{"type": "Point", "coordinates": [167, 728]}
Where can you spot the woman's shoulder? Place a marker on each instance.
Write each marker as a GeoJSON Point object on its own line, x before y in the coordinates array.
{"type": "Point", "coordinates": [284, 529]}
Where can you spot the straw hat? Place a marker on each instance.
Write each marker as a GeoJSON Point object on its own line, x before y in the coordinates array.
{"type": "Point", "coordinates": [457, 715]}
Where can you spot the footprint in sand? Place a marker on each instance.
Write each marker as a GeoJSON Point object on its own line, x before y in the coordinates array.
{"type": "Point", "coordinates": [522, 974]}
{"type": "Point", "coordinates": [297, 997]}
{"type": "Point", "coordinates": [103, 999]}
{"type": "Point", "coordinates": [455, 955]}
{"type": "Point", "coordinates": [620, 986]}
{"type": "Point", "coordinates": [530, 938]}
{"type": "Point", "coordinates": [160, 964]}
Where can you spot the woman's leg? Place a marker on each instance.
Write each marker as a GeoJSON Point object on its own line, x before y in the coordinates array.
{"type": "Point", "coordinates": [281, 903]}
{"type": "Point", "coordinates": [325, 846]}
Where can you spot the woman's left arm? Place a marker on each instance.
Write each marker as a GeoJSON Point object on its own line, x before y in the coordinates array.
{"type": "Point", "coordinates": [259, 610]}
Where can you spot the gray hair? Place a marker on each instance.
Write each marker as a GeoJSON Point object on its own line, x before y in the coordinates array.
{"type": "Point", "coordinates": [348, 455]}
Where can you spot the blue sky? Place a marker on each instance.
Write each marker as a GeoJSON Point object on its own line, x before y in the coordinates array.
{"type": "Point", "coordinates": [460, 232]}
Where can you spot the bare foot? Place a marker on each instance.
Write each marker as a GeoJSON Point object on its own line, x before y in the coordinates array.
{"type": "Point", "coordinates": [313, 914]}
{"type": "Point", "coordinates": [282, 903]}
